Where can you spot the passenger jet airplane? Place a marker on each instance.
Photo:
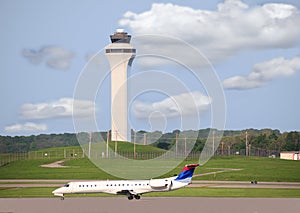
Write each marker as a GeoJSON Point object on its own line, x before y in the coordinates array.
{"type": "Point", "coordinates": [130, 188]}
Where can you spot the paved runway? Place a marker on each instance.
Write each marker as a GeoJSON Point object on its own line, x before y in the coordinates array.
{"type": "Point", "coordinates": [149, 205]}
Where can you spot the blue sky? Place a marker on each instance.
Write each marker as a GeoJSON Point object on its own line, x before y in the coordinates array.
{"type": "Point", "coordinates": [252, 45]}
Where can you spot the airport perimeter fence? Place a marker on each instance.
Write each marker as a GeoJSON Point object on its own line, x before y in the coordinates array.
{"type": "Point", "coordinates": [58, 153]}
{"type": "Point", "coordinates": [73, 153]}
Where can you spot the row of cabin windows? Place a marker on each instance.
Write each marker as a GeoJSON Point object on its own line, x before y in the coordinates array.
{"type": "Point", "coordinates": [127, 184]}
{"type": "Point", "coordinates": [115, 185]}
{"type": "Point", "coordinates": [88, 185]}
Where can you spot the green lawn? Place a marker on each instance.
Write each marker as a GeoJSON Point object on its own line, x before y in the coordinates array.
{"type": "Point", "coordinates": [26, 192]}
{"type": "Point", "coordinates": [185, 192]}
{"type": "Point", "coordinates": [128, 147]}
{"type": "Point", "coordinates": [253, 168]}
{"type": "Point", "coordinates": [80, 168]}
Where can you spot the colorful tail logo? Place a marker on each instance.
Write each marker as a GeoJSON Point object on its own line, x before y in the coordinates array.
{"type": "Point", "coordinates": [187, 173]}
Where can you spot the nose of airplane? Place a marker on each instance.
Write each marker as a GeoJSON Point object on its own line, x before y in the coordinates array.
{"type": "Point", "coordinates": [56, 191]}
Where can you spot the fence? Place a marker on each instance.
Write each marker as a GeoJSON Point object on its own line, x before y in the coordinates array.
{"type": "Point", "coordinates": [58, 153]}
{"type": "Point", "coordinates": [62, 153]}
{"type": "Point", "coordinates": [7, 158]}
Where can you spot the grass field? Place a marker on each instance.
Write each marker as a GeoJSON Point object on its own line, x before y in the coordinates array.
{"type": "Point", "coordinates": [185, 192]}
{"type": "Point", "coordinates": [128, 147]}
{"type": "Point", "coordinates": [80, 168]}
{"type": "Point", "coordinates": [252, 168]}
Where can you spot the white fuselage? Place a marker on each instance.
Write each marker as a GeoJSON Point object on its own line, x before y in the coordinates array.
{"type": "Point", "coordinates": [125, 187]}
{"type": "Point", "coordinates": [130, 188]}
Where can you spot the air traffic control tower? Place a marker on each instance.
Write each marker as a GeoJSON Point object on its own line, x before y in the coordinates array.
{"type": "Point", "coordinates": [120, 55]}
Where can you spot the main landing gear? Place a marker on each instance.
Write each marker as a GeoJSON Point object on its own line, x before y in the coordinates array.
{"type": "Point", "coordinates": [130, 197]}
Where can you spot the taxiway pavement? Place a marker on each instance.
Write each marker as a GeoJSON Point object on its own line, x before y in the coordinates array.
{"type": "Point", "coordinates": [149, 205]}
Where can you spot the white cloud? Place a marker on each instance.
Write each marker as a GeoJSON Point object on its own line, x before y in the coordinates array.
{"type": "Point", "coordinates": [263, 73]}
{"type": "Point", "coordinates": [184, 104]}
{"type": "Point", "coordinates": [54, 56]}
{"type": "Point", "coordinates": [218, 34]}
{"type": "Point", "coordinates": [26, 127]}
{"type": "Point", "coordinates": [57, 109]}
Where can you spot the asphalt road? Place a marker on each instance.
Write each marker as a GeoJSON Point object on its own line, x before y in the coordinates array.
{"type": "Point", "coordinates": [149, 205]}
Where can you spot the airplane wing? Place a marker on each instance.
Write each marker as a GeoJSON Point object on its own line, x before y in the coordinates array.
{"type": "Point", "coordinates": [126, 192]}
{"type": "Point", "coordinates": [131, 192]}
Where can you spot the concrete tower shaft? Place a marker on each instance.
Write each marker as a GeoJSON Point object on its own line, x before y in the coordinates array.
{"type": "Point", "coordinates": [120, 55]}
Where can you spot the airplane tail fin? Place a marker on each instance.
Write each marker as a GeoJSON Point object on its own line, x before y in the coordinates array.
{"type": "Point", "coordinates": [186, 173]}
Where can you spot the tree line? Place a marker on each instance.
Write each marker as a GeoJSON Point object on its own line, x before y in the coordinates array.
{"type": "Point", "coordinates": [236, 139]}
{"type": "Point", "coordinates": [267, 139]}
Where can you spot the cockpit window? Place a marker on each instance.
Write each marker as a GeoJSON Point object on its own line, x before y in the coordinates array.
{"type": "Point", "coordinates": [67, 185]}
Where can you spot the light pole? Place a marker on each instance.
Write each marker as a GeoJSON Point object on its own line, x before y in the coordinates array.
{"type": "Point", "coordinates": [90, 143]}
{"type": "Point", "coordinates": [247, 145]}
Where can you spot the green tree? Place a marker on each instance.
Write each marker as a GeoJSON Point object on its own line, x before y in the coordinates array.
{"type": "Point", "coordinates": [292, 141]}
